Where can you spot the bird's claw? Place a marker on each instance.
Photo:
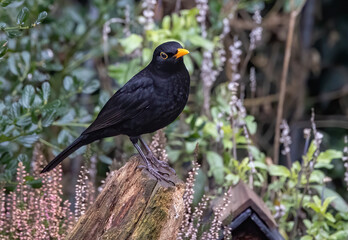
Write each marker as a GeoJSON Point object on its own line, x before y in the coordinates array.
{"type": "Point", "coordinates": [160, 164]}
{"type": "Point", "coordinates": [160, 175]}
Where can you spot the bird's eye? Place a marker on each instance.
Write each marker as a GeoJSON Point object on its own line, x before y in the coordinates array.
{"type": "Point", "coordinates": [163, 55]}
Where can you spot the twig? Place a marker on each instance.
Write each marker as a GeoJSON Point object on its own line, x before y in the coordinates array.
{"type": "Point", "coordinates": [50, 144]}
{"type": "Point", "coordinates": [287, 56]}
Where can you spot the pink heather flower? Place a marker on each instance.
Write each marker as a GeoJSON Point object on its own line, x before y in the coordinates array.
{"type": "Point", "coordinates": [29, 213]}
{"type": "Point", "coordinates": [148, 14]}
{"type": "Point", "coordinates": [345, 159]}
{"type": "Point", "coordinates": [202, 6]}
{"type": "Point", "coordinates": [256, 33]}
{"type": "Point", "coordinates": [285, 138]}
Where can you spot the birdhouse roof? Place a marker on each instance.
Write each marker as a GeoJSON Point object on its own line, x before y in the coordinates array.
{"type": "Point", "coordinates": [242, 199]}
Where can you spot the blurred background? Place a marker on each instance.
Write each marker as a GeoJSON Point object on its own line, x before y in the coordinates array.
{"type": "Point", "coordinates": [60, 61]}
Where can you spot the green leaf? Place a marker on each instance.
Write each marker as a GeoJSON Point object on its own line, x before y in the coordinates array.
{"type": "Point", "coordinates": [216, 166]}
{"type": "Point", "coordinates": [329, 155]}
{"type": "Point", "coordinates": [316, 176]}
{"type": "Point", "coordinates": [46, 90]}
{"type": "Point", "coordinates": [52, 105]}
{"type": "Point", "coordinates": [2, 26]}
{"type": "Point", "coordinates": [278, 170]}
{"type": "Point", "coordinates": [131, 43]}
{"type": "Point", "coordinates": [69, 117]}
{"type": "Point", "coordinates": [4, 3]}
{"type": "Point", "coordinates": [292, 5]}
{"type": "Point", "coordinates": [310, 152]}
{"type": "Point", "coordinates": [338, 203]}
{"type": "Point", "coordinates": [326, 203]}
{"type": "Point", "coordinates": [48, 118]}
{"type": "Point", "coordinates": [329, 217]}
{"type": "Point", "coordinates": [307, 237]}
{"type": "Point", "coordinates": [201, 42]}
{"type": "Point", "coordinates": [166, 22]}
{"type": "Point", "coordinates": [105, 159]}
{"type": "Point", "coordinates": [199, 187]}
{"type": "Point", "coordinates": [41, 17]}
{"type": "Point", "coordinates": [22, 16]}
{"type": "Point", "coordinates": [24, 121]}
{"type": "Point", "coordinates": [13, 33]}
{"type": "Point", "coordinates": [68, 83]}
{"type": "Point", "coordinates": [91, 87]}
{"type": "Point", "coordinates": [232, 178]}
{"type": "Point", "coordinates": [189, 64]}
{"type": "Point", "coordinates": [15, 110]}
{"type": "Point", "coordinates": [340, 235]}
{"type": "Point", "coordinates": [260, 165]}
{"type": "Point", "coordinates": [3, 47]}
{"type": "Point", "coordinates": [64, 137]}
{"type": "Point", "coordinates": [251, 124]}
{"type": "Point", "coordinates": [28, 141]}
{"type": "Point", "coordinates": [28, 96]}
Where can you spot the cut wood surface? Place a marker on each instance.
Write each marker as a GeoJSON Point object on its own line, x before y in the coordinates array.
{"type": "Point", "coordinates": [133, 205]}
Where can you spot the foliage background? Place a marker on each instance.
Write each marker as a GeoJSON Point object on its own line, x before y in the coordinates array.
{"type": "Point", "coordinates": [61, 61]}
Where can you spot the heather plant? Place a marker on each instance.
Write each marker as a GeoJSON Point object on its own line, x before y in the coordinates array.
{"type": "Point", "coordinates": [35, 211]}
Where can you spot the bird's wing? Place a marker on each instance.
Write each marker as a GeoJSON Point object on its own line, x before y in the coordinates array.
{"type": "Point", "coordinates": [126, 103]}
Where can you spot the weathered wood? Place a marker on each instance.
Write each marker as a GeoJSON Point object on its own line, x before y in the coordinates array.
{"type": "Point", "coordinates": [133, 205]}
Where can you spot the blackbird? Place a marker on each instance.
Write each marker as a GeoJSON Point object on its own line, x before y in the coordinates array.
{"type": "Point", "coordinates": [150, 100]}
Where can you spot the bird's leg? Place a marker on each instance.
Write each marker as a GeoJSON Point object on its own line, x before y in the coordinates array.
{"type": "Point", "coordinates": [153, 159]}
{"type": "Point", "coordinates": [149, 166]}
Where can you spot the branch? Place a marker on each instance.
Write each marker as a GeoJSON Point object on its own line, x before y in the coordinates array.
{"type": "Point", "coordinates": [287, 56]}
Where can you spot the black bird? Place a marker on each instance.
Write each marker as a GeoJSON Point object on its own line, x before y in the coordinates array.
{"type": "Point", "coordinates": [150, 100]}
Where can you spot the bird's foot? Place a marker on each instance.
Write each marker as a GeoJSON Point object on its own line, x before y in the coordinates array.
{"type": "Point", "coordinates": [161, 176]}
{"type": "Point", "coordinates": [159, 164]}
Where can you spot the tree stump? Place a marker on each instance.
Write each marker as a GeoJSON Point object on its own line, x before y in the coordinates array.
{"type": "Point", "coordinates": [133, 205]}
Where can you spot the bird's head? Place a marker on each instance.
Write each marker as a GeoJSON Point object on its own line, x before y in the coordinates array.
{"type": "Point", "coordinates": [168, 56]}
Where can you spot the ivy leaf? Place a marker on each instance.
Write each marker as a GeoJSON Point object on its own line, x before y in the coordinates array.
{"type": "Point", "coordinates": [28, 96]}
{"type": "Point", "coordinates": [41, 17]}
{"type": "Point", "coordinates": [22, 16]}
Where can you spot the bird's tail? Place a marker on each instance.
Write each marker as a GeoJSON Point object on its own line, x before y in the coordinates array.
{"type": "Point", "coordinates": [64, 154]}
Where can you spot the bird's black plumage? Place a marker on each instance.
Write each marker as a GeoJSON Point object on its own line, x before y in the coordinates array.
{"type": "Point", "coordinates": [150, 100]}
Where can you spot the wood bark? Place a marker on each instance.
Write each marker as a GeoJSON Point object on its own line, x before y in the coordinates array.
{"type": "Point", "coordinates": [133, 205]}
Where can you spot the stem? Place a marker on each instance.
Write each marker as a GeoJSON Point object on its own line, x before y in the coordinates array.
{"type": "Point", "coordinates": [233, 125]}
{"type": "Point", "coordinates": [287, 56]}
{"type": "Point", "coordinates": [49, 144]}
{"type": "Point", "coordinates": [72, 124]}
{"type": "Point", "coordinates": [17, 28]}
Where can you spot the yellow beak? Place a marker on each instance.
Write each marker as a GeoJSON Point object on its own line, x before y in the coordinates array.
{"type": "Point", "coordinates": [181, 52]}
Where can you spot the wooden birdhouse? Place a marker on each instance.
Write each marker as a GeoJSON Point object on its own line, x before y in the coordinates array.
{"type": "Point", "coordinates": [248, 217]}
